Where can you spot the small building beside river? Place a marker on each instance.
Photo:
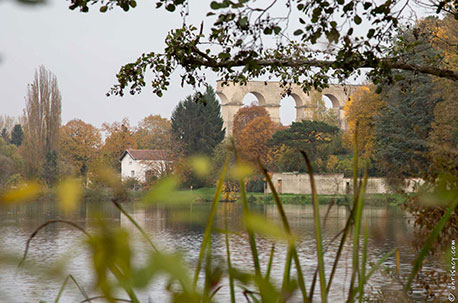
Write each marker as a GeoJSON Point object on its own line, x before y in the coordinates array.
{"type": "Point", "coordinates": [142, 164]}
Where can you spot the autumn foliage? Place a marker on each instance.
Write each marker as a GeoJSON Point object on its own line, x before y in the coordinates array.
{"type": "Point", "coordinates": [244, 116]}
{"type": "Point", "coordinates": [79, 144]}
{"type": "Point", "coordinates": [360, 112]}
{"type": "Point", "coordinates": [252, 140]}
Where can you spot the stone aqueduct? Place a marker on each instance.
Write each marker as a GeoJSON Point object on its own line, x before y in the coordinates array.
{"type": "Point", "coordinates": [269, 96]}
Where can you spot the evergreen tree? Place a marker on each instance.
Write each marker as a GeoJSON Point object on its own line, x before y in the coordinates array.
{"type": "Point", "coordinates": [404, 124]}
{"type": "Point", "coordinates": [403, 127]}
{"type": "Point", "coordinates": [17, 135]}
{"type": "Point", "coordinates": [197, 124]}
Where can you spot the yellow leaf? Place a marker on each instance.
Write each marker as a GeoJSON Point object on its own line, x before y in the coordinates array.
{"type": "Point", "coordinates": [24, 192]}
{"type": "Point", "coordinates": [69, 194]}
{"type": "Point", "coordinates": [241, 170]}
{"type": "Point", "coordinates": [200, 165]}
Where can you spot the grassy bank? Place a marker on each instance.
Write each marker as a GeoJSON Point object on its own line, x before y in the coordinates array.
{"type": "Point", "coordinates": [207, 194]}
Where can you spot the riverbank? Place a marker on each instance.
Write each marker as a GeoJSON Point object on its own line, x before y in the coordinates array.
{"type": "Point", "coordinates": [207, 194]}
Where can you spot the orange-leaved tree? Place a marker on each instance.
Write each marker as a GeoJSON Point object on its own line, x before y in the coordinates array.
{"type": "Point", "coordinates": [253, 138]}
{"type": "Point", "coordinates": [244, 116]}
{"type": "Point", "coordinates": [119, 137]}
{"type": "Point", "coordinates": [80, 143]}
{"type": "Point", "coordinates": [360, 112]}
{"type": "Point", "coordinates": [153, 132]}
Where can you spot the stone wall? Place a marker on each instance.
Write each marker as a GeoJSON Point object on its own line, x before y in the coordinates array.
{"type": "Point", "coordinates": [299, 183]}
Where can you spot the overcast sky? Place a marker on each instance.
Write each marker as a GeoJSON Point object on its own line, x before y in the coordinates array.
{"type": "Point", "coordinates": [84, 51]}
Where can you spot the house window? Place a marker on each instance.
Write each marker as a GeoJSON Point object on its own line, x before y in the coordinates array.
{"type": "Point", "coordinates": [130, 162]}
{"type": "Point", "coordinates": [132, 173]}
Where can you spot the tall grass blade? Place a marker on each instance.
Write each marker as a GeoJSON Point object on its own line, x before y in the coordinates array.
{"type": "Point", "coordinates": [315, 275]}
{"type": "Point", "coordinates": [300, 275]}
{"type": "Point", "coordinates": [61, 290]}
{"type": "Point", "coordinates": [379, 262]}
{"type": "Point", "coordinates": [269, 264]}
{"type": "Point", "coordinates": [121, 277]}
{"type": "Point", "coordinates": [137, 226]}
{"type": "Point", "coordinates": [355, 163]}
{"type": "Point", "coordinates": [362, 273]}
{"type": "Point", "coordinates": [81, 289]}
{"type": "Point", "coordinates": [339, 250]}
{"type": "Point", "coordinates": [318, 238]}
{"type": "Point", "coordinates": [398, 262]}
{"type": "Point", "coordinates": [251, 237]}
{"type": "Point", "coordinates": [356, 231]}
{"type": "Point", "coordinates": [208, 227]}
{"type": "Point", "coordinates": [229, 263]}
{"type": "Point", "coordinates": [208, 273]}
{"type": "Point", "coordinates": [429, 243]}
{"type": "Point", "coordinates": [246, 212]}
{"type": "Point", "coordinates": [287, 270]}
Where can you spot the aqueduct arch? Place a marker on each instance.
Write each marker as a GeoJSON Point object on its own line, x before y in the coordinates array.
{"type": "Point", "coordinates": [269, 95]}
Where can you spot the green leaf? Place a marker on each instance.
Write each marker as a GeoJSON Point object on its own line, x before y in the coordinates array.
{"type": "Point", "coordinates": [370, 33]}
{"type": "Point", "coordinates": [224, 56]}
{"type": "Point", "coordinates": [357, 19]}
{"type": "Point", "coordinates": [214, 5]}
{"type": "Point", "coordinates": [170, 7]}
{"type": "Point", "coordinates": [297, 32]}
{"type": "Point", "coordinates": [243, 22]}
{"type": "Point", "coordinates": [103, 8]}
{"type": "Point", "coordinates": [268, 31]}
{"type": "Point", "coordinates": [333, 35]}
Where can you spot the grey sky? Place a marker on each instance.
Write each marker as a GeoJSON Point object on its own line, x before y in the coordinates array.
{"type": "Point", "coordinates": [84, 51]}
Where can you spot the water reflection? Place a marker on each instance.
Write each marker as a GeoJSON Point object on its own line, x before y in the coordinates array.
{"type": "Point", "coordinates": [180, 228]}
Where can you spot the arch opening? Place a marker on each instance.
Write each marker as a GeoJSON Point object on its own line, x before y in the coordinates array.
{"type": "Point", "coordinates": [327, 110]}
{"type": "Point", "coordinates": [331, 101]}
{"type": "Point", "coordinates": [288, 110]}
{"type": "Point", "coordinates": [253, 98]}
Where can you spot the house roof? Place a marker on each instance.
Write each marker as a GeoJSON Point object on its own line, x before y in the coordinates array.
{"type": "Point", "coordinates": [145, 154]}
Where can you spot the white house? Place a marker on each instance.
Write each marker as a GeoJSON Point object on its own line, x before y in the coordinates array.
{"type": "Point", "coordinates": [143, 163]}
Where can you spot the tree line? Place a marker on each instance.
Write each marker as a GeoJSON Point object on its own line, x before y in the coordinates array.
{"type": "Point", "coordinates": [406, 128]}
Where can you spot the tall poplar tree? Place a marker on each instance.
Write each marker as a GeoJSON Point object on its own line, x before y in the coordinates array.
{"type": "Point", "coordinates": [41, 128]}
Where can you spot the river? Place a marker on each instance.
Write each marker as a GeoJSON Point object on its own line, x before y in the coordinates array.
{"type": "Point", "coordinates": [180, 228]}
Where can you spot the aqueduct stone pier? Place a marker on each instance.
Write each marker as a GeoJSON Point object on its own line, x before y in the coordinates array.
{"type": "Point", "coordinates": [269, 96]}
